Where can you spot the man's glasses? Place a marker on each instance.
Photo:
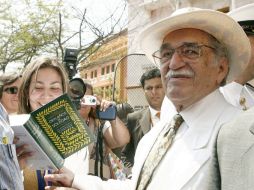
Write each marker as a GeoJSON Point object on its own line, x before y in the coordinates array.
{"type": "Point", "coordinates": [11, 90]}
{"type": "Point", "coordinates": [188, 50]}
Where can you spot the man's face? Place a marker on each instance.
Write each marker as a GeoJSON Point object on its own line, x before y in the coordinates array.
{"type": "Point", "coordinates": [154, 92]}
{"type": "Point", "coordinates": [187, 80]}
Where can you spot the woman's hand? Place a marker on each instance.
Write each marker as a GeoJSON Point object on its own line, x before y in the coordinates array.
{"type": "Point", "coordinates": [104, 104]}
{"type": "Point", "coordinates": [22, 154]}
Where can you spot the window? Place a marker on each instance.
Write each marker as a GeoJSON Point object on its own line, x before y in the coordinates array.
{"type": "Point", "coordinates": [85, 75]}
{"type": "Point", "coordinates": [108, 69]}
{"type": "Point", "coordinates": [102, 70]}
{"type": "Point", "coordinates": [113, 67]}
{"type": "Point", "coordinates": [91, 74]}
{"type": "Point", "coordinates": [95, 73]}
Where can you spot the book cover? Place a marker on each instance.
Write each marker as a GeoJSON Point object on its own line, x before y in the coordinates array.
{"type": "Point", "coordinates": [55, 131]}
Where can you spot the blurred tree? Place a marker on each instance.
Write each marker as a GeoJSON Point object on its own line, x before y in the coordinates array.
{"type": "Point", "coordinates": [34, 27]}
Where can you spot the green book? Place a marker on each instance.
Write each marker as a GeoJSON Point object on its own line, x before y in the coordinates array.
{"type": "Point", "coordinates": [53, 132]}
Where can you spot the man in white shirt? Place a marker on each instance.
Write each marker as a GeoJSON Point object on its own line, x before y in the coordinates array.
{"type": "Point", "coordinates": [196, 55]}
{"type": "Point", "coordinates": [10, 175]}
{"type": "Point", "coordinates": [140, 122]}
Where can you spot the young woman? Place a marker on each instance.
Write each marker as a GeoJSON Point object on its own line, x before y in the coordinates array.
{"type": "Point", "coordinates": [44, 80]}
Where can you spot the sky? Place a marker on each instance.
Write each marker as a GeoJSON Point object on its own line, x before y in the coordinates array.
{"type": "Point", "coordinates": [97, 12]}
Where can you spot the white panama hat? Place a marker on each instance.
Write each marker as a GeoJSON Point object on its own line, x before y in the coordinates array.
{"type": "Point", "coordinates": [245, 17]}
{"type": "Point", "coordinates": [225, 29]}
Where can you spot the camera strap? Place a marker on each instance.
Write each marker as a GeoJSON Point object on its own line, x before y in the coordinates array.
{"type": "Point", "coordinates": [99, 152]}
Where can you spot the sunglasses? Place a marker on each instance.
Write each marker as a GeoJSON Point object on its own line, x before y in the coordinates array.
{"type": "Point", "coordinates": [12, 90]}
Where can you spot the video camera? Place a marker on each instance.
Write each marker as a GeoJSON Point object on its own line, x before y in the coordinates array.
{"type": "Point", "coordinates": [77, 87]}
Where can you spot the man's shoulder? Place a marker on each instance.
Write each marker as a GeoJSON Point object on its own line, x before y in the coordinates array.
{"type": "Point", "coordinates": [239, 126]}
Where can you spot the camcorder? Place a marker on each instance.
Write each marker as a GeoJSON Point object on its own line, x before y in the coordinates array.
{"type": "Point", "coordinates": [108, 114]}
{"type": "Point", "coordinates": [77, 87]}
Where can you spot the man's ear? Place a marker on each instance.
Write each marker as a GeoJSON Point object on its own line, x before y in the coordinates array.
{"type": "Point", "coordinates": [223, 69]}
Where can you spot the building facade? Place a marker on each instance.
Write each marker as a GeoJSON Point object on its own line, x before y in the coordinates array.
{"type": "Point", "coordinates": [144, 12]}
{"type": "Point", "coordinates": [122, 51]}
{"type": "Point", "coordinates": [99, 68]}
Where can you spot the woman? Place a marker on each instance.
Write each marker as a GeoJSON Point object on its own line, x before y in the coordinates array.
{"type": "Point", "coordinates": [9, 91]}
{"type": "Point", "coordinates": [44, 80]}
{"type": "Point", "coordinates": [109, 135]}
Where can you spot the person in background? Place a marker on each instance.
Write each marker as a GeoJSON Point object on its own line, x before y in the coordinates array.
{"type": "Point", "coordinates": [114, 132]}
{"type": "Point", "coordinates": [235, 141]}
{"type": "Point", "coordinates": [9, 91]}
{"type": "Point", "coordinates": [43, 80]}
{"type": "Point", "coordinates": [241, 91]}
{"type": "Point", "coordinates": [10, 175]}
{"type": "Point", "coordinates": [122, 111]}
{"type": "Point", "coordinates": [195, 58]}
{"type": "Point", "coordinates": [140, 122]}
{"type": "Point", "coordinates": [9, 98]}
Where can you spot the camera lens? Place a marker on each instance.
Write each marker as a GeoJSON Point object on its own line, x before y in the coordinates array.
{"type": "Point", "coordinates": [77, 88]}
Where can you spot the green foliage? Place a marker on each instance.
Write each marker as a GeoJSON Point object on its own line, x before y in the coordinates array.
{"type": "Point", "coordinates": [29, 34]}
{"type": "Point", "coordinates": [37, 27]}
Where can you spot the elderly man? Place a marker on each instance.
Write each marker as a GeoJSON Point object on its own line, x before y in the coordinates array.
{"type": "Point", "coordinates": [195, 50]}
{"type": "Point", "coordinates": [235, 143]}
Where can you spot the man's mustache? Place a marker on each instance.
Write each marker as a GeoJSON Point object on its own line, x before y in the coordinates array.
{"type": "Point", "coordinates": [179, 74]}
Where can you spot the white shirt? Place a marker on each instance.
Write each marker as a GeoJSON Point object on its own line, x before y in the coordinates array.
{"type": "Point", "coordinates": [185, 165]}
{"type": "Point", "coordinates": [154, 117]}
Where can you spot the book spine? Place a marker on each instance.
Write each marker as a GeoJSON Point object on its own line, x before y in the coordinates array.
{"type": "Point", "coordinates": [45, 144]}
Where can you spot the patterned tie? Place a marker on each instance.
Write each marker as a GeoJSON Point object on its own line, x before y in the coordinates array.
{"type": "Point", "coordinates": [158, 151]}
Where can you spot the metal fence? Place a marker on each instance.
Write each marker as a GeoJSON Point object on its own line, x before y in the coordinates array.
{"type": "Point", "coordinates": [126, 85]}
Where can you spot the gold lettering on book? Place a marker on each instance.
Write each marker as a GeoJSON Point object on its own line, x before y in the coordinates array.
{"type": "Point", "coordinates": [64, 127]}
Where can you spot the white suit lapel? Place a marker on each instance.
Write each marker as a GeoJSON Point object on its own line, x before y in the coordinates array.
{"type": "Point", "coordinates": [200, 138]}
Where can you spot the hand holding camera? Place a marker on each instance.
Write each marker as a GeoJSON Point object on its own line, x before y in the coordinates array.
{"type": "Point", "coordinates": [106, 110]}
{"type": "Point", "coordinates": [89, 100]}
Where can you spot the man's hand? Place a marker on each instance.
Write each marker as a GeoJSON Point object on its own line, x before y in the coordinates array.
{"type": "Point", "coordinates": [64, 177]}
{"type": "Point", "coordinates": [59, 188]}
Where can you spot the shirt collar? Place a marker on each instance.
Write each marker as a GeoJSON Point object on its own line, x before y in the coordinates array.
{"type": "Point", "coordinates": [197, 115]}
{"type": "Point", "coordinates": [153, 112]}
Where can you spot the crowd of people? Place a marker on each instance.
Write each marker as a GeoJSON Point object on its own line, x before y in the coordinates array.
{"type": "Point", "coordinates": [196, 133]}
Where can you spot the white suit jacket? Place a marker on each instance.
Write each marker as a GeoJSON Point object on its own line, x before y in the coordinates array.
{"type": "Point", "coordinates": [187, 164]}
{"type": "Point", "coordinates": [235, 153]}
